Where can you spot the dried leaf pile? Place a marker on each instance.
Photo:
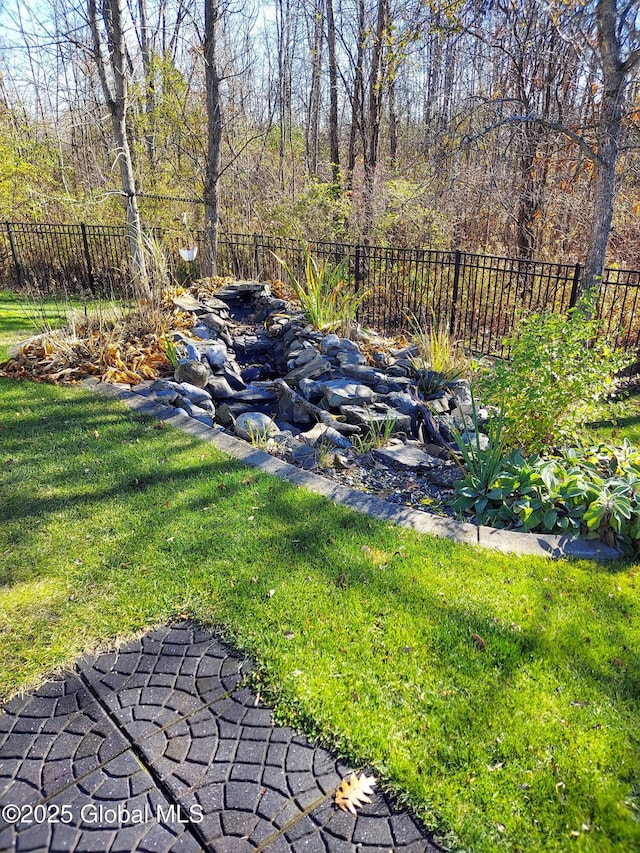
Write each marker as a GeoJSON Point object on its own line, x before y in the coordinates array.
{"type": "Point", "coordinates": [126, 349]}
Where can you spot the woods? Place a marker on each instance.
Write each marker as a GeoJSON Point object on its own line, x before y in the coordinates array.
{"type": "Point", "coordinates": [511, 128]}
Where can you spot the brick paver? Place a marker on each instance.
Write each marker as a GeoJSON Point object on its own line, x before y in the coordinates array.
{"type": "Point", "coordinates": [159, 746]}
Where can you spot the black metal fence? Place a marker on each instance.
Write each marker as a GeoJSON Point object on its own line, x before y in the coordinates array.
{"type": "Point", "coordinates": [479, 297]}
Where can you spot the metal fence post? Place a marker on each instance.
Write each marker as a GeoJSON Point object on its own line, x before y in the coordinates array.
{"type": "Point", "coordinates": [87, 257]}
{"type": "Point", "coordinates": [256, 258]}
{"type": "Point", "coordinates": [14, 253]}
{"type": "Point", "coordinates": [356, 270]}
{"type": "Point", "coordinates": [456, 288]}
{"type": "Point", "coordinates": [575, 287]}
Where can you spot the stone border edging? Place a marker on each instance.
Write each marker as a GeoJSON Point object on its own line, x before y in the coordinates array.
{"type": "Point", "coordinates": [507, 541]}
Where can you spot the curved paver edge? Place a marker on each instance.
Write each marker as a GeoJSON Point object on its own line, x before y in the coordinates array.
{"type": "Point", "coordinates": [508, 541]}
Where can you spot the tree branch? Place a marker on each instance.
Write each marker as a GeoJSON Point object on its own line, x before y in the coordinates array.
{"type": "Point", "coordinates": [543, 122]}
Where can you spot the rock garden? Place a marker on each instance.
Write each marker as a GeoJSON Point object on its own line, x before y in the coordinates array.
{"type": "Point", "coordinates": [289, 370]}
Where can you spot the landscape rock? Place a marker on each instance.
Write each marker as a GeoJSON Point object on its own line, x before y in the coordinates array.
{"type": "Point", "coordinates": [325, 433]}
{"type": "Point", "coordinates": [256, 394]}
{"type": "Point", "coordinates": [254, 424]}
{"type": "Point", "coordinates": [341, 392]}
{"type": "Point", "coordinates": [216, 355]}
{"type": "Point", "coordinates": [194, 393]}
{"type": "Point", "coordinates": [194, 372]}
{"type": "Point", "coordinates": [402, 401]}
{"type": "Point", "coordinates": [377, 414]}
{"type": "Point", "coordinates": [305, 456]}
{"type": "Point", "coordinates": [205, 333]}
{"type": "Point", "coordinates": [363, 373]}
{"type": "Point", "coordinates": [312, 370]}
{"type": "Point", "coordinates": [188, 303]}
{"type": "Point", "coordinates": [444, 475]}
{"type": "Point", "coordinates": [408, 456]}
{"type": "Point", "coordinates": [219, 388]}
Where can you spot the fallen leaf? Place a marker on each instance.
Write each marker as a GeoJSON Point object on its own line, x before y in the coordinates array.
{"type": "Point", "coordinates": [480, 643]}
{"type": "Point", "coordinates": [342, 581]}
{"type": "Point", "coordinates": [352, 793]}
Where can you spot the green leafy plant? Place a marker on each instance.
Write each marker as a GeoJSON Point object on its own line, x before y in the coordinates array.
{"type": "Point", "coordinates": [377, 434]}
{"type": "Point", "coordinates": [440, 359]}
{"type": "Point", "coordinates": [560, 367]}
{"type": "Point", "coordinates": [170, 351]}
{"type": "Point", "coordinates": [595, 491]}
{"type": "Point", "coordinates": [325, 295]}
{"type": "Point", "coordinates": [479, 466]}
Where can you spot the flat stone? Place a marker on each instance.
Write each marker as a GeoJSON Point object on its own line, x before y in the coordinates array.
{"type": "Point", "coordinates": [216, 355]}
{"type": "Point", "coordinates": [313, 369]}
{"type": "Point", "coordinates": [194, 393]}
{"type": "Point", "coordinates": [188, 303]}
{"type": "Point", "coordinates": [403, 402]}
{"type": "Point", "coordinates": [219, 388]}
{"type": "Point", "coordinates": [217, 305]}
{"type": "Point", "coordinates": [363, 373]}
{"type": "Point", "coordinates": [378, 414]}
{"type": "Point", "coordinates": [305, 356]}
{"type": "Point", "coordinates": [444, 475]}
{"type": "Point", "coordinates": [406, 456]}
{"type": "Point", "coordinates": [255, 394]}
{"type": "Point", "coordinates": [342, 392]}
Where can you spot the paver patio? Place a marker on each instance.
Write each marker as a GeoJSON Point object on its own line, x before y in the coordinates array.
{"type": "Point", "coordinates": [160, 746]}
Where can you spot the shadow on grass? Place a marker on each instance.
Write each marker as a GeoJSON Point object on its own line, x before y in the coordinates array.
{"type": "Point", "coordinates": [291, 533]}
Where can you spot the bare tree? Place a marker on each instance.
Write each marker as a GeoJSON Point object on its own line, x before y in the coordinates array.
{"type": "Point", "coordinates": [214, 132]}
{"type": "Point", "coordinates": [618, 48]}
{"type": "Point", "coordinates": [333, 95]}
{"type": "Point", "coordinates": [113, 73]}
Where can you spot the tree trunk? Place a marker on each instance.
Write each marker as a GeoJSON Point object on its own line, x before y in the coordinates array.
{"type": "Point", "coordinates": [357, 98]}
{"type": "Point", "coordinates": [393, 124]}
{"type": "Point", "coordinates": [214, 135]}
{"type": "Point", "coordinates": [371, 135]}
{"type": "Point", "coordinates": [149, 85]}
{"type": "Point", "coordinates": [117, 103]}
{"type": "Point", "coordinates": [614, 73]}
{"type": "Point", "coordinates": [333, 96]}
{"type": "Point", "coordinates": [314, 95]}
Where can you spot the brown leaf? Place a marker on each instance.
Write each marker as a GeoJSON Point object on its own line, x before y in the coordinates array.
{"type": "Point", "coordinates": [352, 793]}
{"type": "Point", "coordinates": [480, 643]}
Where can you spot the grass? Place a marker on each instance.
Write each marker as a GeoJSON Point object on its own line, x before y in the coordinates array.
{"type": "Point", "coordinates": [618, 420]}
{"type": "Point", "coordinates": [497, 695]}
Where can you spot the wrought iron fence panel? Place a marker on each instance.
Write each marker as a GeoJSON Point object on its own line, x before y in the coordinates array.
{"type": "Point", "coordinates": [479, 298]}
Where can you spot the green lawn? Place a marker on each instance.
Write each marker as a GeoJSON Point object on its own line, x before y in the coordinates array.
{"type": "Point", "coordinates": [498, 695]}
{"type": "Point", "coordinates": [618, 421]}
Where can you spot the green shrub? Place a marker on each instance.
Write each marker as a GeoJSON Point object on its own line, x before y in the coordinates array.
{"type": "Point", "coordinates": [560, 367]}
{"type": "Point", "coordinates": [594, 491]}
